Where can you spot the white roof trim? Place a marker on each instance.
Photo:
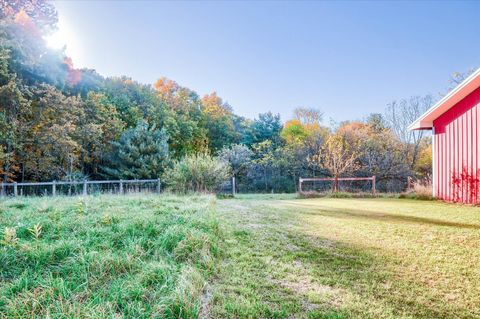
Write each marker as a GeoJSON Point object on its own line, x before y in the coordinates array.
{"type": "Point", "coordinates": [447, 102]}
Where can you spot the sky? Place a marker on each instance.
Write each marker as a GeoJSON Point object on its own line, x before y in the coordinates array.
{"type": "Point", "coordinates": [347, 59]}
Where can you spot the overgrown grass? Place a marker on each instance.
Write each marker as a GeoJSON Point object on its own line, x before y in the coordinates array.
{"type": "Point", "coordinates": [138, 256]}
{"type": "Point", "coordinates": [347, 258]}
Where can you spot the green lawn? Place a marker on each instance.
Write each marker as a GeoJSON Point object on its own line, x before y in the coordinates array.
{"type": "Point", "coordinates": [347, 258]}
{"type": "Point", "coordinates": [265, 256]}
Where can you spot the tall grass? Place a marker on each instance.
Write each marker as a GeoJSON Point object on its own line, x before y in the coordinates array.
{"type": "Point", "coordinates": [137, 256]}
{"type": "Point", "coordinates": [422, 190]}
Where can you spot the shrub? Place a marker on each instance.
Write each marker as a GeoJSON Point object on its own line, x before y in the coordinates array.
{"type": "Point", "coordinates": [197, 173]}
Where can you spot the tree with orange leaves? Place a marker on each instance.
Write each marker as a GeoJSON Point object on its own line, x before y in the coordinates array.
{"type": "Point", "coordinates": [218, 121]}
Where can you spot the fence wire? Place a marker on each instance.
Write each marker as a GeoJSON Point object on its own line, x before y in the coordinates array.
{"type": "Point", "coordinates": [350, 185]}
{"type": "Point", "coordinates": [76, 188]}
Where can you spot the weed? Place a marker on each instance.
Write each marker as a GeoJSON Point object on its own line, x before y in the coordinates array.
{"type": "Point", "coordinates": [36, 231]}
{"type": "Point", "coordinates": [10, 236]}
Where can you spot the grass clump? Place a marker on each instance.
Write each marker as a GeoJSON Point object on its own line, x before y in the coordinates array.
{"type": "Point", "coordinates": [420, 191]}
{"type": "Point", "coordinates": [137, 256]}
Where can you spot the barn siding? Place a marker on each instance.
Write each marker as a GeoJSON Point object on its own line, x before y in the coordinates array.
{"type": "Point", "coordinates": [456, 157]}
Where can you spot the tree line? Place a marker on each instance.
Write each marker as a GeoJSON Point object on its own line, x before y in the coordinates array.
{"type": "Point", "coordinates": [62, 123]}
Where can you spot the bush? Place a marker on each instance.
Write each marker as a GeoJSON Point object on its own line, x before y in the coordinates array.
{"type": "Point", "coordinates": [197, 173]}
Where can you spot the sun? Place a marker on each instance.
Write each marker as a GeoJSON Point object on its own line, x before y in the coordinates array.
{"type": "Point", "coordinates": [57, 40]}
{"type": "Point", "coordinates": [66, 40]}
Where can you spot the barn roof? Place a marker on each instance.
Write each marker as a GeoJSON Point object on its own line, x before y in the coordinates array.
{"type": "Point", "coordinates": [425, 122]}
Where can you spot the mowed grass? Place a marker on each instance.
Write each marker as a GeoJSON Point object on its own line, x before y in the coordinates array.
{"type": "Point", "coordinates": [138, 256]}
{"type": "Point", "coordinates": [347, 258]}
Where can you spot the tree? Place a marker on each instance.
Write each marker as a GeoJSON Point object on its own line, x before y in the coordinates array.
{"type": "Point", "coordinates": [41, 13]}
{"type": "Point", "coordinates": [304, 137]}
{"type": "Point", "coordinates": [380, 152]}
{"type": "Point", "coordinates": [423, 167]}
{"type": "Point", "coordinates": [50, 148]}
{"type": "Point", "coordinates": [183, 118]}
{"type": "Point", "coordinates": [264, 158]}
{"type": "Point", "coordinates": [399, 115]}
{"type": "Point", "coordinates": [294, 132]}
{"type": "Point", "coordinates": [218, 121]}
{"type": "Point", "coordinates": [458, 77]}
{"type": "Point", "coordinates": [267, 127]}
{"type": "Point", "coordinates": [141, 152]}
{"type": "Point", "coordinates": [338, 156]}
{"type": "Point", "coordinates": [308, 116]}
{"type": "Point", "coordinates": [98, 126]}
{"type": "Point", "coordinates": [237, 155]}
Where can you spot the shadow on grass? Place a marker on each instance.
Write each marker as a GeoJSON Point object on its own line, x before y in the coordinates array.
{"type": "Point", "coordinates": [377, 216]}
{"type": "Point", "coordinates": [272, 269]}
{"type": "Point", "coordinates": [365, 276]}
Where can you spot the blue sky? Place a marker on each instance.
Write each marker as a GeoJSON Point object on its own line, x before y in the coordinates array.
{"type": "Point", "coordinates": [346, 58]}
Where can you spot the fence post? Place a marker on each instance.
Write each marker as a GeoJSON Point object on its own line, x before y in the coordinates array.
{"type": "Point", "coordinates": [85, 188]}
{"type": "Point", "coordinates": [2, 190]}
{"type": "Point", "coordinates": [54, 188]}
{"type": "Point", "coordinates": [409, 183]}
{"type": "Point", "coordinates": [233, 186]}
{"type": "Point", "coordinates": [121, 187]}
{"type": "Point", "coordinates": [374, 189]}
{"type": "Point", "coordinates": [159, 185]}
{"type": "Point", "coordinates": [15, 189]}
{"type": "Point", "coordinates": [300, 181]}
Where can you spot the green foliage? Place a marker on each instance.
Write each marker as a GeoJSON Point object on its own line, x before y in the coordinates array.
{"type": "Point", "coordinates": [237, 155]}
{"type": "Point", "coordinates": [198, 173]}
{"type": "Point", "coordinates": [267, 127]}
{"type": "Point", "coordinates": [141, 152]}
{"type": "Point", "coordinates": [218, 121]}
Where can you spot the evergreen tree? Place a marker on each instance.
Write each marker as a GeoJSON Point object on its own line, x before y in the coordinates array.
{"type": "Point", "coordinates": [267, 127]}
{"type": "Point", "coordinates": [141, 152]}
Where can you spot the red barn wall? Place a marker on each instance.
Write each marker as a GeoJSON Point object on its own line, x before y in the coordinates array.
{"type": "Point", "coordinates": [456, 147]}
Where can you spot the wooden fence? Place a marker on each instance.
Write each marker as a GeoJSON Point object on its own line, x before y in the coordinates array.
{"type": "Point", "coordinates": [335, 181]}
{"type": "Point", "coordinates": [79, 187]}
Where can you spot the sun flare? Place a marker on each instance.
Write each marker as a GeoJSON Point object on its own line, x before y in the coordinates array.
{"type": "Point", "coordinates": [57, 40]}
{"type": "Point", "coordinates": [64, 39]}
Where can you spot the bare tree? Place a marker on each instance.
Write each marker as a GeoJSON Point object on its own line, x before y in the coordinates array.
{"type": "Point", "coordinates": [400, 114]}
{"type": "Point", "coordinates": [458, 77]}
{"type": "Point", "coordinates": [308, 116]}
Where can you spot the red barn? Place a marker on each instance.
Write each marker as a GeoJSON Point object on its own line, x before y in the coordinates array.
{"type": "Point", "coordinates": [454, 122]}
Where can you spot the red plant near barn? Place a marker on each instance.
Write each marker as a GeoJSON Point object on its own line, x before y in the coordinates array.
{"type": "Point", "coordinates": [465, 186]}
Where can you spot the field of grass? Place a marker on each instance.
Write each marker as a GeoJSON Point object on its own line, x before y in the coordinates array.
{"type": "Point", "coordinates": [106, 257]}
{"type": "Point", "coordinates": [347, 258]}
{"type": "Point", "coordinates": [254, 256]}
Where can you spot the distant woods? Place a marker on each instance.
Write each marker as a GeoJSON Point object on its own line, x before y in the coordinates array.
{"type": "Point", "coordinates": [62, 123]}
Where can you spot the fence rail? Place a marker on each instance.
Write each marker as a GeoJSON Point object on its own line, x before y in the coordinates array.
{"type": "Point", "coordinates": [79, 187]}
